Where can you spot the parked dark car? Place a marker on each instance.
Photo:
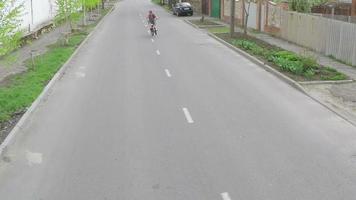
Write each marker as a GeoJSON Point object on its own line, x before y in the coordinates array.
{"type": "Point", "coordinates": [183, 8]}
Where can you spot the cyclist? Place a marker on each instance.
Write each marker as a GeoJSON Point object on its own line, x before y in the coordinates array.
{"type": "Point", "coordinates": [151, 17]}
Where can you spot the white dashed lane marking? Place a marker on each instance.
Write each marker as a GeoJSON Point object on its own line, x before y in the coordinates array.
{"type": "Point", "coordinates": [168, 73]}
{"type": "Point", "coordinates": [33, 158]}
{"type": "Point", "coordinates": [225, 196]}
{"type": "Point", "coordinates": [80, 74]}
{"type": "Point", "coordinates": [188, 116]}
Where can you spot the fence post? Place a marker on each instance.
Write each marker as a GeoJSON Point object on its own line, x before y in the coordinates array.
{"type": "Point", "coordinates": [266, 13]}
{"type": "Point", "coordinates": [259, 15]}
{"type": "Point", "coordinates": [332, 13]}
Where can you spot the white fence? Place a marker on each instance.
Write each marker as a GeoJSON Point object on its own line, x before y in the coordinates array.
{"type": "Point", "coordinates": [36, 13]}
{"type": "Point", "coordinates": [328, 36]}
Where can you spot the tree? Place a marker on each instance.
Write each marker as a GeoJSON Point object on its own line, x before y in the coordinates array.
{"type": "Point", "coordinates": [300, 5]}
{"type": "Point", "coordinates": [10, 35]}
{"type": "Point", "coordinates": [246, 10]}
{"type": "Point", "coordinates": [87, 5]}
{"type": "Point", "coordinates": [232, 17]}
{"type": "Point", "coordinates": [304, 6]}
{"type": "Point", "coordinates": [68, 11]}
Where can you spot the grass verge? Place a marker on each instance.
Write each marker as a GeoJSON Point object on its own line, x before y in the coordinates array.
{"type": "Point", "coordinates": [296, 66]}
{"type": "Point", "coordinates": [18, 92]}
{"type": "Point", "coordinates": [206, 22]}
{"type": "Point", "coordinates": [21, 90]}
{"type": "Point", "coordinates": [217, 30]}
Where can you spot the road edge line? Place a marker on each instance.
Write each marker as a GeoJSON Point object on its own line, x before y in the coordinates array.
{"type": "Point", "coordinates": [17, 128]}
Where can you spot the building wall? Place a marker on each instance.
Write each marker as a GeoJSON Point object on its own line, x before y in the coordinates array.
{"type": "Point", "coordinates": [226, 11]}
{"type": "Point", "coordinates": [37, 13]}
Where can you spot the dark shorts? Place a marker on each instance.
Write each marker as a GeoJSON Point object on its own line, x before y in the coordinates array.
{"type": "Point", "coordinates": [152, 21]}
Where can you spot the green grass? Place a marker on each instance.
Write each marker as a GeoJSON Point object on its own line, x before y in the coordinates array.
{"type": "Point", "coordinates": [219, 29]}
{"type": "Point", "coordinates": [22, 89]}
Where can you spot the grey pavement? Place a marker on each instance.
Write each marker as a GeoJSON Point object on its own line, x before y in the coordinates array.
{"type": "Point", "coordinates": [179, 117]}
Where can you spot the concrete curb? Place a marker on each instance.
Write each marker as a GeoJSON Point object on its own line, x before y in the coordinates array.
{"type": "Point", "coordinates": [325, 82]}
{"type": "Point", "coordinates": [210, 26]}
{"type": "Point", "coordinates": [18, 127]}
{"type": "Point", "coordinates": [190, 23]}
{"type": "Point", "coordinates": [284, 78]}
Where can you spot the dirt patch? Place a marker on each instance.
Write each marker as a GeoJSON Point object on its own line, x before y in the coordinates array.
{"type": "Point", "coordinates": [6, 127]}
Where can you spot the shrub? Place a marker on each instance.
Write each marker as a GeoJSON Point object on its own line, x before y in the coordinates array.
{"type": "Point", "coordinates": [287, 55]}
{"type": "Point", "coordinates": [309, 74]}
{"type": "Point", "coordinates": [302, 65]}
{"type": "Point", "coordinates": [250, 46]}
{"type": "Point", "coordinates": [10, 35]}
{"type": "Point", "coordinates": [329, 69]}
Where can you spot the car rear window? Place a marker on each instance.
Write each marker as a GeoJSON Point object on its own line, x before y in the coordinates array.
{"type": "Point", "coordinates": [185, 4]}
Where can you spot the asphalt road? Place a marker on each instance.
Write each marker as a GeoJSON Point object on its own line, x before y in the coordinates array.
{"type": "Point", "coordinates": [180, 117]}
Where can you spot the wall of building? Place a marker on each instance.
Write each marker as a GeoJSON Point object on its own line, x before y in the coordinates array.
{"type": "Point", "coordinates": [36, 13]}
{"type": "Point", "coordinates": [225, 15]}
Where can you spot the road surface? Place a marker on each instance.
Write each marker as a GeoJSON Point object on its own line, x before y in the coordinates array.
{"type": "Point", "coordinates": [179, 117]}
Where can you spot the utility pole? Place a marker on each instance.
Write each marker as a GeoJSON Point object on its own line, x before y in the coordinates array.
{"type": "Point", "coordinates": [232, 18]}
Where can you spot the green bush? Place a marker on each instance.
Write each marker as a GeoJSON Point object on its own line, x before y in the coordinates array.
{"type": "Point", "coordinates": [250, 46]}
{"type": "Point", "coordinates": [24, 88]}
{"type": "Point", "coordinates": [287, 55]}
{"type": "Point", "coordinates": [297, 64]}
{"type": "Point", "coordinates": [309, 74]}
{"type": "Point", "coordinates": [338, 76]}
{"type": "Point", "coordinates": [302, 65]}
{"type": "Point", "coordinates": [329, 69]}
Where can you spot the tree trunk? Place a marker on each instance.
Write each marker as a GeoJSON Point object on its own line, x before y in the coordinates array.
{"type": "Point", "coordinates": [232, 18]}
{"type": "Point", "coordinates": [246, 15]}
{"type": "Point", "coordinates": [84, 16]}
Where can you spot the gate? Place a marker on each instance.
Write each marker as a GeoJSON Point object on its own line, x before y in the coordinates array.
{"type": "Point", "coordinates": [215, 8]}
